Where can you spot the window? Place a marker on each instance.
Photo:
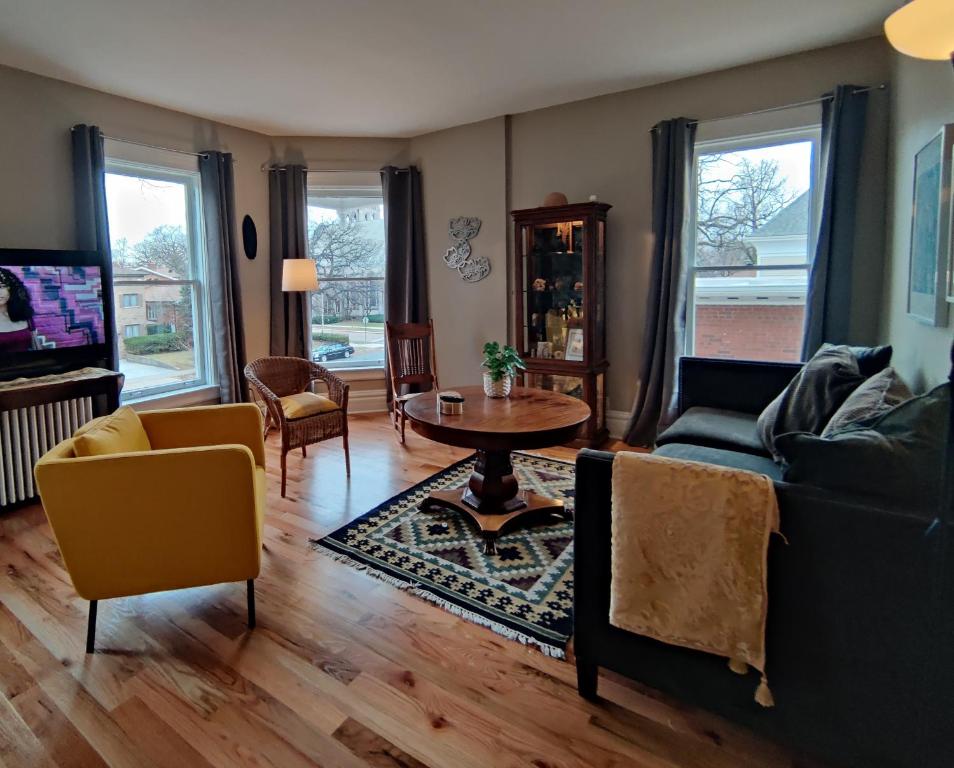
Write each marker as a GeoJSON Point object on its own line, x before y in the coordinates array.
{"type": "Point", "coordinates": [752, 215]}
{"type": "Point", "coordinates": [158, 250]}
{"type": "Point", "coordinates": [346, 239]}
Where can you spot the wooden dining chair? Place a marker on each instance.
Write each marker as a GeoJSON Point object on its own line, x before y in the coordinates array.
{"type": "Point", "coordinates": [412, 360]}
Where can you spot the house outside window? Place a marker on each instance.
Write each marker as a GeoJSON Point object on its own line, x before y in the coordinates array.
{"type": "Point", "coordinates": [752, 217]}
{"type": "Point", "coordinates": [158, 249]}
{"type": "Point", "coordinates": [346, 240]}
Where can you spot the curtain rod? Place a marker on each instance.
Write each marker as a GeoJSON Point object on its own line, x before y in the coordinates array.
{"type": "Point", "coordinates": [203, 155]}
{"type": "Point", "coordinates": [267, 167]}
{"type": "Point", "coordinates": [807, 103]}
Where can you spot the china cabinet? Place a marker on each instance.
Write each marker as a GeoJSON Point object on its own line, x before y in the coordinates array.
{"type": "Point", "coordinates": [560, 312]}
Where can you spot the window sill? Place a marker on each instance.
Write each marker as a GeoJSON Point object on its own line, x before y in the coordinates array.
{"type": "Point", "coordinates": [182, 398]}
{"type": "Point", "coordinates": [359, 374]}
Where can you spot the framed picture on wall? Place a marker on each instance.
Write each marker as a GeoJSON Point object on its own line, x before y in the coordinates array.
{"type": "Point", "coordinates": [928, 287]}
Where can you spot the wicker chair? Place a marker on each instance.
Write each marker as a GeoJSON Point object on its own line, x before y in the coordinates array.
{"type": "Point", "coordinates": [277, 381]}
{"type": "Point", "coordinates": [413, 364]}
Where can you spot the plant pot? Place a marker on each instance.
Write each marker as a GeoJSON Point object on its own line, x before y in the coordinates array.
{"type": "Point", "coordinates": [497, 388]}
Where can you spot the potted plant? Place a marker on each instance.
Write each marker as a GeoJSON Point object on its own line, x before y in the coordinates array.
{"type": "Point", "coordinates": [501, 365]}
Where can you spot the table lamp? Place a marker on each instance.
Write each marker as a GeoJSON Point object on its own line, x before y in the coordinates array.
{"type": "Point", "coordinates": [300, 276]}
{"type": "Point", "coordinates": [923, 29]}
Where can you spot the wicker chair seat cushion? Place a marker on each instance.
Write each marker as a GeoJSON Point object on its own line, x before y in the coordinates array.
{"type": "Point", "coordinates": [306, 404]}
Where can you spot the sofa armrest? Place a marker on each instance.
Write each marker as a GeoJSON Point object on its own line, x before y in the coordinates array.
{"type": "Point", "coordinates": [591, 549]}
{"type": "Point", "coordinates": [736, 385]}
{"type": "Point", "coordinates": [209, 425]}
{"type": "Point", "coordinates": [132, 523]}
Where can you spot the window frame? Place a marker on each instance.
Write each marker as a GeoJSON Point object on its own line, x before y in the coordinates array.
{"type": "Point", "coordinates": [314, 190]}
{"type": "Point", "coordinates": [741, 142]}
{"type": "Point", "coordinates": [199, 282]}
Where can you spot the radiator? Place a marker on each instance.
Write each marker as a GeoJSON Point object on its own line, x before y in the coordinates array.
{"type": "Point", "coordinates": [28, 433]}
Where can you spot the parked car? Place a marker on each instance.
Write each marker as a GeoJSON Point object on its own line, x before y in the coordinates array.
{"type": "Point", "coordinates": [333, 351]}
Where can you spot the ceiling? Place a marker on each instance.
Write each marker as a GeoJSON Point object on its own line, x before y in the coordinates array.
{"type": "Point", "coordinates": [402, 67]}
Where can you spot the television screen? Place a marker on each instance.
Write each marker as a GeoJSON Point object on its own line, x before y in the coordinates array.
{"type": "Point", "coordinates": [46, 307]}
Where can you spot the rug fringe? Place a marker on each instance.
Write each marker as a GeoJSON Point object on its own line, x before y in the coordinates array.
{"type": "Point", "coordinates": [415, 589]}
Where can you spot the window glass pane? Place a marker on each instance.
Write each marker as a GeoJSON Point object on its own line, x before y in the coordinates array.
{"type": "Point", "coordinates": [752, 215]}
{"type": "Point", "coordinates": [749, 314]}
{"type": "Point", "coordinates": [346, 240]}
{"type": "Point", "coordinates": [156, 270]}
{"type": "Point", "coordinates": [753, 205]}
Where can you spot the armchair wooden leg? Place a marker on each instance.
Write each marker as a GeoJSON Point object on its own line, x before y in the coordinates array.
{"type": "Point", "coordinates": [304, 453]}
{"type": "Point", "coordinates": [284, 472]}
{"type": "Point", "coordinates": [250, 591]}
{"type": "Point", "coordinates": [403, 422]}
{"type": "Point", "coordinates": [91, 628]}
{"type": "Point", "coordinates": [347, 451]}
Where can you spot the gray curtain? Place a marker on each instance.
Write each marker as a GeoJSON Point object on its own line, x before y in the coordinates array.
{"type": "Point", "coordinates": [405, 260]}
{"type": "Point", "coordinates": [228, 335]}
{"type": "Point", "coordinates": [827, 309]}
{"type": "Point", "coordinates": [405, 267]}
{"type": "Point", "coordinates": [664, 337]}
{"type": "Point", "coordinates": [291, 318]}
{"type": "Point", "coordinates": [92, 222]}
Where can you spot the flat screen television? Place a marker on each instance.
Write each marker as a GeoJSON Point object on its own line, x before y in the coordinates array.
{"type": "Point", "coordinates": [55, 311]}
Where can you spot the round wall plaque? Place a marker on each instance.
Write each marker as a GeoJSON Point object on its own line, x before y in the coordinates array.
{"type": "Point", "coordinates": [249, 237]}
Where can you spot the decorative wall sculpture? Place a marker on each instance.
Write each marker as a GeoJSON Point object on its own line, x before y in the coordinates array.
{"type": "Point", "coordinates": [471, 268]}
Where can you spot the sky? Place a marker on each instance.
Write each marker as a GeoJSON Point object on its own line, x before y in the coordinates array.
{"type": "Point", "coordinates": [137, 206]}
{"type": "Point", "coordinates": [794, 163]}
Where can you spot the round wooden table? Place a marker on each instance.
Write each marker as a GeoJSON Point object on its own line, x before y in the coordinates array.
{"type": "Point", "coordinates": [529, 418]}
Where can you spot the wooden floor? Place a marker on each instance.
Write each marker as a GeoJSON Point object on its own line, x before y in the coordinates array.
{"type": "Point", "coordinates": [343, 670]}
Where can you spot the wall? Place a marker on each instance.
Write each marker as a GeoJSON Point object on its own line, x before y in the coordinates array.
{"type": "Point", "coordinates": [762, 332]}
{"type": "Point", "coordinates": [464, 174]}
{"type": "Point", "coordinates": [922, 101]}
{"type": "Point", "coordinates": [602, 146]}
{"type": "Point", "coordinates": [36, 193]}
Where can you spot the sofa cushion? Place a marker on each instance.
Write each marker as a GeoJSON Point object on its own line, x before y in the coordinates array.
{"type": "Point", "coordinates": [872, 360]}
{"type": "Point", "coordinates": [874, 397]}
{"type": "Point", "coordinates": [898, 460]}
{"type": "Point", "coordinates": [306, 404]}
{"type": "Point", "coordinates": [716, 428]}
{"type": "Point", "coordinates": [813, 397]}
{"type": "Point", "coordinates": [735, 459]}
{"type": "Point", "coordinates": [121, 432]}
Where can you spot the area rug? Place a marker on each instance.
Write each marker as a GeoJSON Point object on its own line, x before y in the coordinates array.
{"type": "Point", "coordinates": [524, 592]}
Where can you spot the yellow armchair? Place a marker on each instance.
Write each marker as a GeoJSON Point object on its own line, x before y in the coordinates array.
{"type": "Point", "coordinates": [189, 512]}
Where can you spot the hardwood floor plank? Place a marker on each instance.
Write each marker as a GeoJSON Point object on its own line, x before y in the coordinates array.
{"type": "Point", "coordinates": [343, 669]}
{"type": "Point", "coordinates": [377, 751]}
{"type": "Point", "coordinates": [19, 746]}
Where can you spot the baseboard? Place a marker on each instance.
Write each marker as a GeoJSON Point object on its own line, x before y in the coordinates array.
{"type": "Point", "coordinates": [368, 401]}
{"type": "Point", "coordinates": [616, 423]}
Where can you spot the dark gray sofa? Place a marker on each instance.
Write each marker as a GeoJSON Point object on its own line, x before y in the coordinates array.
{"type": "Point", "coordinates": [852, 616]}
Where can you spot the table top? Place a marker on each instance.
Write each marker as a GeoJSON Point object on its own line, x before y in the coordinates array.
{"type": "Point", "coordinates": [529, 418]}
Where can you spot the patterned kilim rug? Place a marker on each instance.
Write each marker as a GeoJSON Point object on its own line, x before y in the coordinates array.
{"type": "Point", "coordinates": [524, 592]}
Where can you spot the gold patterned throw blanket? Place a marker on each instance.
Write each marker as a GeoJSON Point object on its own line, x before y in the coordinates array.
{"type": "Point", "coordinates": [689, 556]}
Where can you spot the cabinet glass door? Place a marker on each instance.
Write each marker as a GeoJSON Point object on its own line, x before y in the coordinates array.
{"type": "Point", "coordinates": [553, 281]}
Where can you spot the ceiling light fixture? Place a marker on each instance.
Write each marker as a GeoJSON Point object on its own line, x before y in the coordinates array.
{"type": "Point", "coordinates": [923, 29]}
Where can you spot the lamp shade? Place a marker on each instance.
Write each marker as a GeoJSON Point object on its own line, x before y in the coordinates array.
{"type": "Point", "coordinates": [299, 275]}
{"type": "Point", "coordinates": [923, 29]}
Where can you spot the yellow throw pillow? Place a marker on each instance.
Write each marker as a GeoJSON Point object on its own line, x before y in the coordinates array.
{"type": "Point", "coordinates": [122, 432]}
{"type": "Point", "coordinates": [306, 404]}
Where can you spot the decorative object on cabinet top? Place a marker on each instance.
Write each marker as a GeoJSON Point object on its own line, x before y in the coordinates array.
{"type": "Point", "coordinates": [471, 268]}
